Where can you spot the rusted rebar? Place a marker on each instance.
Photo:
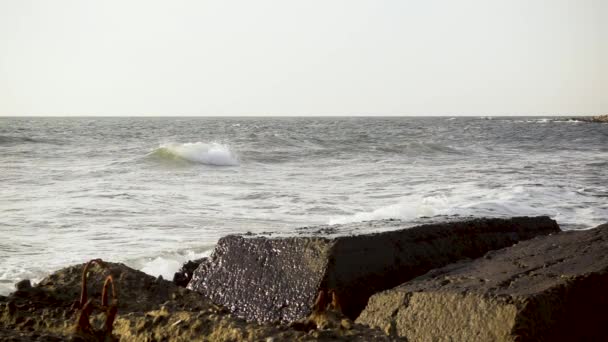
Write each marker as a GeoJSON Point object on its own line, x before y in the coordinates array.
{"type": "Point", "coordinates": [86, 307]}
{"type": "Point", "coordinates": [83, 290]}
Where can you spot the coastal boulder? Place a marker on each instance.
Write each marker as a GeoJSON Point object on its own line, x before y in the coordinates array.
{"type": "Point", "coordinates": [278, 279]}
{"type": "Point", "coordinates": [545, 289]}
{"type": "Point", "coordinates": [183, 276]}
{"type": "Point", "coordinates": [136, 290]}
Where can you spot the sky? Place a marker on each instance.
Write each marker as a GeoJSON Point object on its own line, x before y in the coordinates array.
{"type": "Point", "coordinates": [312, 57]}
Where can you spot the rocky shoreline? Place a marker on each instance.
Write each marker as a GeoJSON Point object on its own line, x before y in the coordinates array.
{"type": "Point", "coordinates": [278, 279]}
{"type": "Point", "coordinates": [149, 309]}
{"type": "Point", "coordinates": [483, 279]}
{"type": "Point", "coordinates": [597, 118]}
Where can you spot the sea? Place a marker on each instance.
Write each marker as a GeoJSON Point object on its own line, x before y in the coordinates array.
{"type": "Point", "coordinates": [154, 192]}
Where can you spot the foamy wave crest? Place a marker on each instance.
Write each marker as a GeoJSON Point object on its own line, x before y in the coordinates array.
{"type": "Point", "coordinates": [167, 264]}
{"type": "Point", "coordinates": [469, 200]}
{"type": "Point", "coordinates": [199, 152]}
{"type": "Point", "coordinates": [406, 209]}
{"type": "Point", "coordinates": [13, 274]}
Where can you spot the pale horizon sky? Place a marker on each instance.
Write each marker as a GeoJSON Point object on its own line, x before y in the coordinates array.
{"type": "Point", "coordinates": [346, 57]}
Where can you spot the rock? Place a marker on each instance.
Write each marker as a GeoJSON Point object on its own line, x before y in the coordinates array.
{"type": "Point", "coordinates": [266, 280]}
{"type": "Point", "coordinates": [597, 118]}
{"type": "Point", "coordinates": [545, 289]}
{"type": "Point", "coordinates": [22, 285]}
{"type": "Point", "coordinates": [600, 118]}
{"type": "Point", "coordinates": [184, 275]}
{"type": "Point", "coordinates": [137, 291]}
{"type": "Point", "coordinates": [149, 310]}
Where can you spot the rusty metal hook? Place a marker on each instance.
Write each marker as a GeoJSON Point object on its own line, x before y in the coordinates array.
{"type": "Point", "coordinates": [86, 306]}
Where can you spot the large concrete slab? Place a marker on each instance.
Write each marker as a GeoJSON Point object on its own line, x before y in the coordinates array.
{"type": "Point", "coordinates": [546, 289]}
{"type": "Point", "coordinates": [268, 279]}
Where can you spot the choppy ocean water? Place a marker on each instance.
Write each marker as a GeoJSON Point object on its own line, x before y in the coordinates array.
{"type": "Point", "coordinates": [154, 192]}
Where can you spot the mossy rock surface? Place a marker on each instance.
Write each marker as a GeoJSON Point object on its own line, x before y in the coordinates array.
{"type": "Point", "coordinates": [150, 309]}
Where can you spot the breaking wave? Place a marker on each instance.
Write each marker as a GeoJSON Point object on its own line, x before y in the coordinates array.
{"type": "Point", "coordinates": [168, 263]}
{"type": "Point", "coordinates": [521, 200]}
{"type": "Point", "coordinates": [405, 209]}
{"type": "Point", "coordinates": [198, 152]}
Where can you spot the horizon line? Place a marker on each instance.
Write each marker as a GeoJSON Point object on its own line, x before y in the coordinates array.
{"type": "Point", "coordinates": [284, 116]}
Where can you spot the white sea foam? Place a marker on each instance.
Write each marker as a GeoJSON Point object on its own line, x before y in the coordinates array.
{"type": "Point", "coordinates": [199, 152]}
{"type": "Point", "coordinates": [405, 209]}
{"type": "Point", "coordinates": [570, 121]}
{"type": "Point", "coordinates": [542, 120]}
{"type": "Point", "coordinates": [15, 273]}
{"type": "Point", "coordinates": [469, 200]}
{"type": "Point", "coordinates": [166, 265]}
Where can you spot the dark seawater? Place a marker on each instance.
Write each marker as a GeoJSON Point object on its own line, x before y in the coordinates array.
{"type": "Point", "coordinates": [153, 192]}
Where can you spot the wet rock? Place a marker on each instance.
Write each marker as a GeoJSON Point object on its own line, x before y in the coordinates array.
{"type": "Point", "coordinates": [23, 285]}
{"type": "Point", "coordinates": [266, 280]}
{"type": "Point", "coordinates": [184, 275]}
{"type": "Point", "coordinates": [545, 289]}
{"type": "Point", "coordinates": [11, 307]}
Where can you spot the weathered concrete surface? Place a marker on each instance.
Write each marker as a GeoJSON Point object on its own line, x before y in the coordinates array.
{"type": "Point", "coordinates": [264, 279]}
{"type": "Point", "coordinates": [545, 289]}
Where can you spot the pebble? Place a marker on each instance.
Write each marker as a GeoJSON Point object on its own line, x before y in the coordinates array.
{"type": "Point", "coordinates": [22, 285]}
{"type": "Point", "coordinates": [347, 324]}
